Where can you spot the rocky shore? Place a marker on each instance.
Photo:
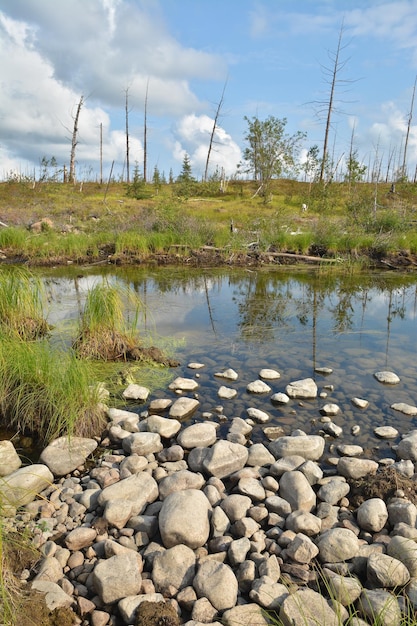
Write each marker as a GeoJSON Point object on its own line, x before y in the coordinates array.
{"type": "Point", "coordinates": [160, 521]}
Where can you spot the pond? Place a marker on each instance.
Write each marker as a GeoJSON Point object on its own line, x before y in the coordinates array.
{"type": "Point", "coordinates": [293, 322]}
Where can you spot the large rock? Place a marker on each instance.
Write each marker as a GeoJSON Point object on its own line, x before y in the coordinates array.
{"type": "Point", "coordinates": [295, 489]}
{"type": "Point", "coordinates": [310, 447]}
{"type": "Point", "coordinates": [224, 458]}
{"type": "Point", "coordinates": [356, 468]}
{"type": "Point", "coordinates": [183, 384]}
{"type": "Point", "coordinates": [343, 589]}
{"type": "Point", "coordinates": [383, 570]}
{"type": "Point", "coordinates": [388, 378]}
{"type": "Point", "coordinates": [407, 448]}
{"type": "Point", "coordinates": [259, 455]}
{"type": "Point", "coordinates": [164, 426]}
{"type": "Point", "coordinates": [372, 515]}
{"type": "Point", "coordinates": [380, 606]}
{"type": "Point", "coordinates": [337, 544]}
{"type": "Point", "coordinates": [405, 550]}
{"type": "Point", "coordinates": [302, 549]}
{"type": "Point", "coordinates": [236, 506]}
{"type": "Point", "coordinates": [203, 434]}
{"type": "Point", "coordinates": [117, 577]}
{"type": "Point", "coordinates": [333, 490]}
{"type": "Point", "coordinates": [245, 614]}
{"type": "Point", "coordinates": [142, 443]}
{"type": "Point", "coordinates": [139, 489]}
{"type": "Point", "coordinates": [79, 538]}
{"type": "Point", "coordinates": [178, 481]}
{"type": "Point", "coordinates": [184, 518]}
{"type": "Point", "coordinates": [306, 607]}
{"type": "Point", "coordinates": [403, 407]}
{"type": "Point", "coordinates": [305, 388]}
{"type": "Point", "coordinates": [183, 407]}
{"type": "Point", "coordinates": [9, 459]}
{"type": "Point", "coordinates": [175, 567]}
{"type": "Point", "coordinates": [217, 583]}
{"type": "Point", "coordinates": [267, 593]}
{"type": "Point", "coordinates": [136, 392]}
{"type": "Point", "coordinates": [65, 454]}
{"type": "Point", "coordinates": [24, 485]}
{"type": "Point", "coordinates": [55, 596]}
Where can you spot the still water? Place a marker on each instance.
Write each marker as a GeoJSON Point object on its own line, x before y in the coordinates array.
{"type": "Point", "coordinates": [293, 322]}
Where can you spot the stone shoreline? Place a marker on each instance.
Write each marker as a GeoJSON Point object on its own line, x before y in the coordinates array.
{"type": "Point", "coordinates": [216, 530]}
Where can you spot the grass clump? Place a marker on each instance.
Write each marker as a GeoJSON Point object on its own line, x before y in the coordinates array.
{"type": "Point", "coordinates": [108, 328]}
{"type": "Point", "coordinates": [47, 392]}
{"type": "Point", "coordinates": [22, 300]}
{"type": "Point", "coordinates": [103, 333]}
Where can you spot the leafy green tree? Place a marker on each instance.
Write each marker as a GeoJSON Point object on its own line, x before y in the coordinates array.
{"type": "Point", "coordinates": [355, 170]}
{"type": "Point", "coordinates": [311, 165]}
{"type": "Point", "coordinates": [270, 152]}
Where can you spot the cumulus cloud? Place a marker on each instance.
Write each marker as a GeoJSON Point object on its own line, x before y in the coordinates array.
{"type": "Point", "coordinates": [57, 51]}
{"type": "Point", "coordinates": [193, 134]}
{"type": "Point", "coordinates": [387, 138]}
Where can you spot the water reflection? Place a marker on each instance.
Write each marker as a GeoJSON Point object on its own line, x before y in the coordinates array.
{"type": "Point", "coordinates": [293, 322]}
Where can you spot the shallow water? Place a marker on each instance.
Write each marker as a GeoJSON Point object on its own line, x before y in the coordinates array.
{"type": "Point", "coordinates": [290, 321]}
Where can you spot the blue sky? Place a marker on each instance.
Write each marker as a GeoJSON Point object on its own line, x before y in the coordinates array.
{"type": "Point", "coordinates": [270, 55]}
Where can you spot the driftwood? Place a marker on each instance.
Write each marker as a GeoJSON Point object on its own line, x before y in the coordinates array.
{"type": "Point", "coordinates": [303, 257]}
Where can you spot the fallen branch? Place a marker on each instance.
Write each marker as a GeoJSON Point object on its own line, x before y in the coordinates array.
{"type": "Point", "coordinates": [303, 257]}
{"type": "Point", "coordinates": [3, 224]}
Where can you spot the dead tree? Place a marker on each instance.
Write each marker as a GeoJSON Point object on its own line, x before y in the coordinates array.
{"type": "Point", "coordinates": [101, 153]}
{"type": "Point", "coordinates": [74, 142]}
{"type": "Point", "coordinates": [213, 130]}
{"type": "Point", "coordinates": [327, 108]}
{"type": "Point", "coordinates": [145, 133]}
{"type": "Point", "coordinates": [410, 117]}
{"type": "Point", "coordinates": [127, 134]}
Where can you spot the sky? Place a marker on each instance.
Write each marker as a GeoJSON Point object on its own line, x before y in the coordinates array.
{"type": "Point", "coordinates": [267, 57]}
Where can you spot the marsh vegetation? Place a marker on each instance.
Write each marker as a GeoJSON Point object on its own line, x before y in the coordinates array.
{"type": "Point", "coordinates": [192, 224]}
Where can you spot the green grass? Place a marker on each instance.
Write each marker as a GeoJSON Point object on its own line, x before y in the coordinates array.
{"type": "Point", "coordinates": [22, 303]}
{"type": "Point", "coordinates": [93, 224]}
{"type": "Point", "coordinates": [47, 391]}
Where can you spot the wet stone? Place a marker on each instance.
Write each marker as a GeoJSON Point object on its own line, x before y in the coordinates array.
{"type": "Point", "coordinates": [269, 374]}
{"type": "Point", "coordinates": [388, 378]}
{"type": "Point", "coordinates": [360, 403]}
{"type": "Point", "coordinates": [230, 374]}
{"type": "Point", "coordinates": [386, 432]}
{"type": "Point", "coordinates": [405, 408]}
{"type": "Point", "coordinates": [226, 393]}
{"type": "Point", "coordinates": [258, 386]}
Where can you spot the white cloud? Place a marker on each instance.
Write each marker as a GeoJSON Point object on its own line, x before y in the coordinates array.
{"type": "Point", "coordinates": [193, 134]}
{"type": "Point", "coordinates": [56, 51]}
{"type": "Point", "coordinates": [393, 20]}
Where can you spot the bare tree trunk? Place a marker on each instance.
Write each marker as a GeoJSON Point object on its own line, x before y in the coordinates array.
{"type": "Point", "coordinates": [334, 72]}
{"type": "Point", "coordinates": [352, 137]}
{"type": "Point", "coordinates": [101, 153]}
{"type": "Point", "coordinates": [127, 134]}
{"type": "Point", "coordinates": [391, 155]}
{"type": "Point", "coordinates": [213, 130]}
{"type": "Point", "coordinates": [410, 117]}
{"type": "Point", "coordinates": [145, 134]}
{"type": "Point", "coordinates": [71, 177]}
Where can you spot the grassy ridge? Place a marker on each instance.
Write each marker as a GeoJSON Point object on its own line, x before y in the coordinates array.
{"type": "Point", "coordinates": [92, 223]}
